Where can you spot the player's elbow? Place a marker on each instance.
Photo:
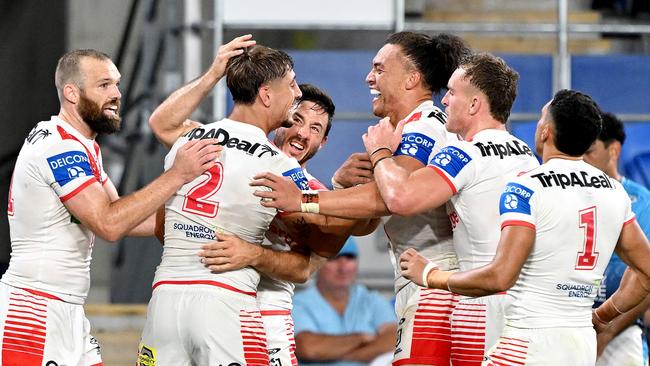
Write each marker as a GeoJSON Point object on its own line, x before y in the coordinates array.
{"type": "Point", "coordinates": [301, 276]}
{"type": "Point", "coordinates": [108, 231]}
{"type": "Point", "coordinates": [110, 235]}
{"type": "Point", "coordinates": [398, 204]}
{"type": "Point", "coordinates": [503, 282]}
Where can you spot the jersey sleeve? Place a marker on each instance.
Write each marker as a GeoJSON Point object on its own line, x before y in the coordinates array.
{"type": "Point", "coordinates": [66, 167]}
{"type": "Point", "coordinates": [516, 205]}
{"type": "Point", "coordinates": [291, 169]}
{"type": "Point", "coordinates": [102, 173]}
{"type": "Point", "coordinates": [420, 140]}
{"type": "Point", "coordinates": [630, 216]}
{"type": "Point", "coordinates": [455, 165]}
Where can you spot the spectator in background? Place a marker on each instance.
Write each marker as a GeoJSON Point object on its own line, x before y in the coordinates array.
{"type": "Point", "coordinates": [339, 321]}
{"type": "Point", "coordinates": [623, 342]}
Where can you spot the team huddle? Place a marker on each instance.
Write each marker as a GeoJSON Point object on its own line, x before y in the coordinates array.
{"type": "Point", "coordinates": [497, 259]}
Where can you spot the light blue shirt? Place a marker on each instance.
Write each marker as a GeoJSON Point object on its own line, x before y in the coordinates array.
{"type": "Point", "coordinates": [366, 312]}
{"type": "Point", "coordinates": [640, 197]}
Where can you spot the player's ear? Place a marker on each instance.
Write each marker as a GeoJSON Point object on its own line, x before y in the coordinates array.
{"type": "Point", "coordinates": [413, 80]}
{"type": "Point", "coordinates": [71, 93]}
{"type": "Point", "coordinates": [475, 105]}
{"type": "Point", "coordinates": [264, 93]}
{"type": "Point", "coordinates": [614, 150]}
{"type": "Point", "coordinates": [322, 143]}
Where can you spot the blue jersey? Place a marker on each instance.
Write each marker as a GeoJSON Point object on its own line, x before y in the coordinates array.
{"type": "Point", "coordinates": [640, 197]}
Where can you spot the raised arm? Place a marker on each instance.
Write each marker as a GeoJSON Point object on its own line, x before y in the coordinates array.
{"type": "Point", "coordinates": [171, 119]}
{"type": "Point", "coordinates": [405, 192]}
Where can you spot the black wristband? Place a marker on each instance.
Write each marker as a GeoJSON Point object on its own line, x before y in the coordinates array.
{"type": "Point", "coordinates": [380, 149]}
{"type": "Point", "coordinates": [380, 159]}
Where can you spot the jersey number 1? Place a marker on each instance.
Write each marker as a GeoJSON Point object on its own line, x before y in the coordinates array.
{"type": "Point", "coordinates": [588, 256]}
{"type": "Point", "coordinates": [197, 199]}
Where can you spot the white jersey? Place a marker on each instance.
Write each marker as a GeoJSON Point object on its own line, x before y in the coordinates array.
{"type": "Point", "coordinates": [273, 293]}
{"type": "Point", "coordinates": [50, 249]}
{"type": "Point", "coordinates": [577, 212]}
{"type": "Point", "coordinates": [222, 200]}
{"type": "Point", "coordinates": [429, 232]}
{"type": "Point", "coordinates": [477, 171]}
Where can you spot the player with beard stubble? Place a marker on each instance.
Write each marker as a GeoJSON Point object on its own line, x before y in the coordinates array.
{"type": "Point", "coordinates": [60, 198]}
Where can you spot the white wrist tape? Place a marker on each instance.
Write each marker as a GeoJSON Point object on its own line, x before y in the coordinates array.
{"type": "Point", "coordinates": [309, 202]}
{"type": "Point", "coordinates": [336, 185]}
{"type": "Point", "coordinates": [425, 272]}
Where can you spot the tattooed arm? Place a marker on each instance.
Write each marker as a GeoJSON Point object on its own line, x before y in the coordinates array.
{"type": "Point", "coordinates": [316, 238]}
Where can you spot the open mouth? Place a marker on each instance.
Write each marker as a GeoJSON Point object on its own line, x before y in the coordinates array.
{"type": "Point", "coordinates": [296, 148]}
{"type": "Point", "coordinates": [112, 110]}
{"type": "Point", "coordinates": [376, 94]}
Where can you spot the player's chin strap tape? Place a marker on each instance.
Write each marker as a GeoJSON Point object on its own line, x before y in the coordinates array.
{"type": "Point", "coordinates": [309, 202]}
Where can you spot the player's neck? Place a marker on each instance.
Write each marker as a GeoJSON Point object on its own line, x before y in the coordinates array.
{"type": "Point", "coordinates": [252, 116]}
{"type": "Point", "coordinates": [481, 123]}
{"type": "Point", "coordinates": [551, 152]}
{"type": "Point", "coordinates": [406, 107]}
{"type": "Point", "coordinates": [70, 115]}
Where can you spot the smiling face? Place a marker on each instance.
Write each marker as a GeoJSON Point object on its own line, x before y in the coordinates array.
{"type": "Point", "coordinates": [457, 102]}
{"type": "Point", "coordinates": [307, 134]}
{"type": "Point", "coordinates": [386, 80]}
{"type": "Point", "coordinates": [99, 96]}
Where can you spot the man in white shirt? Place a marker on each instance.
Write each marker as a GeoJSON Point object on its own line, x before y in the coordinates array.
{"type": "Point", "coordinates": [60, 198]}
{"type": "Point", "coordinates": [560, 224]}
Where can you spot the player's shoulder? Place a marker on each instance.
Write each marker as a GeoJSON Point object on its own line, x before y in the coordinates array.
{"type": "Point", "coordinates": [426, 118]}
{"type": "Point", "coordinates": [53, 137]}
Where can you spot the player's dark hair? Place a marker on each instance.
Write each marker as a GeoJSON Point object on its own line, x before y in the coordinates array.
{"type": "Point", "coordinates": [317, 96]}
{"type": "Point", "coordinates": [257, 66]}
{"type": "Point", "coordinates": [494, 78]}
{"type": "Point", "coordinates": [613, 129]}
{"type": "Point", "coordinates": [577, 121]}
{"type": "Point", "coordinates": [435, 57]}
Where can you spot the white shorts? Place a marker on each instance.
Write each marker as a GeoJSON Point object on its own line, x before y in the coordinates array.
{"type": "Point", "coordinates": [424, 330]}
{"type": "Point", "coordinates": [544, 347]}
{"type": "Point", "coordinates": [40, 330]}
{"type": "Point", "coordinates": [476, 324]}
{"type": "Point", "coordinates": [280, 340]}
{"type": "Point", "coordinates": [626, 349]}
{"type": "Point", "coordinates": [202, 325]}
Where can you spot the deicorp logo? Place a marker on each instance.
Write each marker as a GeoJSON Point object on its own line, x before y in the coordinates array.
{"type": "Point", "coordinates": [297, 176]}
{"type": "Point", "coordinates": [69, 165]}
{"type": "Point", "coordinates": [515, 198]}
{"type": "Point", "coordinates": [416, 145]}
{"type": "Point", "coordinates": [451, 159]}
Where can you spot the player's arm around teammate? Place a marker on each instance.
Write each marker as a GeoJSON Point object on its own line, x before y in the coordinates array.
{"type": "Point", "coordinates": [97, 208]}
{"type": "Point", "coordinates": [361, 201]}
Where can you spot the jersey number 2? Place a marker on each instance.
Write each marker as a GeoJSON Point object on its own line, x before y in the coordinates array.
{"type": "Point", "coordinates": [197, 199]}
{"type": "Point", "coordinates": [588, 257]}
